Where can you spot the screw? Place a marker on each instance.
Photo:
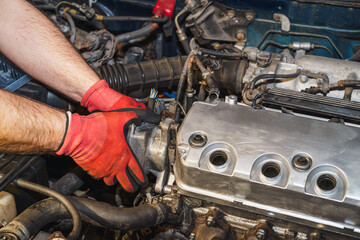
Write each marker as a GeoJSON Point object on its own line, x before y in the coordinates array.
{"type": "Point", "coordinates": [210, 221]}
{"type": "Point", "coordinates": [249, 16]}
{"type": "Point", "coordinates": [260, 234]}
{"type": "Point", "coordinates": [192, 236]}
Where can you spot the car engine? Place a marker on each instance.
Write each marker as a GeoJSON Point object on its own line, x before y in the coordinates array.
{"type": "Point", "coordinates": [260, 130]}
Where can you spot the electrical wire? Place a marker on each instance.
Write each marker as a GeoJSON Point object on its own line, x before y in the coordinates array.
{"type": "Point", "coordinates": [69, 4]}
{"type": "Point", "coordinates": [153, 93]}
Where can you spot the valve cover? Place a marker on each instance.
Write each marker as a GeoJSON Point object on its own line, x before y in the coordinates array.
{"type": "Point", "coordinates": [276, 164]}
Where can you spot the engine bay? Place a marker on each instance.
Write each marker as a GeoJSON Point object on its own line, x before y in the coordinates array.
{"type": "Point", "coordinates": [259, 133]}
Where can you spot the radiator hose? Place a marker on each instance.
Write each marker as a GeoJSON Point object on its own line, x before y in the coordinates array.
{"type": "Point", "coordinates": [97, 213]}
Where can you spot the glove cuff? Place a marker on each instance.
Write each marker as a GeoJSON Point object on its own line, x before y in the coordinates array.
{"type": "Point", "coordinates": [68, 118]}
{"type": "Point", "coordinates": [100, 97]}
{"type": "Point", "coordinates": [73, 120]}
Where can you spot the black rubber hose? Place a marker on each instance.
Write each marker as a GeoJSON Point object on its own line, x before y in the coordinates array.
{"type": "Point", "coordinates": [142, 32]}
{"type": "Point", "coordinates": [136, 79]}
{"type": "Point", "coordinates": [228, 47]}
{"type": "Point", "coordinates": [114, 218]}
{"type": "Point", "coordinates": [100, 214]}
{"type": "Point", "coordinates": [274, 76]}
{"type": "Point", "coordinates": [132, 18]}
{"type": "Point", "coordinates": [35, 218]}
{"type": "Point", "coordinates": [181, 85]}
{"type": "Point", "coordinates": [270, 42]}
{"type": "Point", "coordinates": [185, 44]}
{"type": "Point", "coordinates": [221, 54]}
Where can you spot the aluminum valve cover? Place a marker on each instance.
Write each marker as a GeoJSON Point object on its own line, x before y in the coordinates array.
{"type": "Point", "coordinates": [276, 164]}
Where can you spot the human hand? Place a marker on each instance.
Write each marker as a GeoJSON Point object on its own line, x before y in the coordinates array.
{"type": "Point", "coordinates": [98, 144]}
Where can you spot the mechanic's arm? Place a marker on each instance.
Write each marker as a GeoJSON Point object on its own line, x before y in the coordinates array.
{"type": "Point", "coordinates": [96, 142]}
{"type": "Point", "coordinates": [27, 126]}
{"type": "Point", "coordinates": [34, 44]}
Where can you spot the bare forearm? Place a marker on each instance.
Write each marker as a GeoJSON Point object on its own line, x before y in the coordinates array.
{"type": "Point", "coordinates": [33, 43]}
{"type": "Point", "coordinates": [27, 126]}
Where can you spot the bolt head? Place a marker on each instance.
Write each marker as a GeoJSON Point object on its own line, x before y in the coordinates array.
{"type": "Point", "coordinates": [231, 13]}
{"type": "Point", "coordinates": [240, 36]}
{"type": "Point", "coordinates": [192, 236]}
{"type": "Point", "coordinates": [210, 221]}
{"type": "Point", "coordinates": [260, 234]}
{"type": "Point", "coordinates": [249, 16]}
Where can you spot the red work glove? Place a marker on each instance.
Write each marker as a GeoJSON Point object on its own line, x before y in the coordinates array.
{"type": "Point", "coordinates": [101, 97]}
{"type": "Point", "coordinates": [98, 144]}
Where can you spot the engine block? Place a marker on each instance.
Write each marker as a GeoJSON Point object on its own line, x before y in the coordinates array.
{"type": "Point", "coordinates": [276, 164]}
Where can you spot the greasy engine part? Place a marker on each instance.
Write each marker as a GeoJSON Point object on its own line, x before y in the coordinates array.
{"type": "Point", "coordinates": [250, 154]}
{"type": "Point", "coordinates": [315, 72]}
{"type": "Point", "coordinates": [217, 22]}
{"type": "Point", "coordinates": [137, 78]}
{"type": "Point", "coordinates": [211, 226]}
{"type": "Point", "coordinates": [317, 105]}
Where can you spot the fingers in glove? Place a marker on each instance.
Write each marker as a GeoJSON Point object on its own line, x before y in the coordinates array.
{"type": "Point", "coordinates": [127, 182]}
{"type": "Point", "coordinates": [109, 180]}
{"type": "Point", "coordinates": [137, 173]}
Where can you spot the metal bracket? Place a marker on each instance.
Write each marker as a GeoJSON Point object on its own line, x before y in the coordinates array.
{"type": "Point", "coordinates": [91, 2]}
{"type": "Point", "coordinates": [285, 22]}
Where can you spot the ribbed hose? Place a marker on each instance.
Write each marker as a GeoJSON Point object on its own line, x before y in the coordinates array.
{"type": "Point", "coordinates": [141, 76]}
{"type": "Point", "coordinates": [138, 78]}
